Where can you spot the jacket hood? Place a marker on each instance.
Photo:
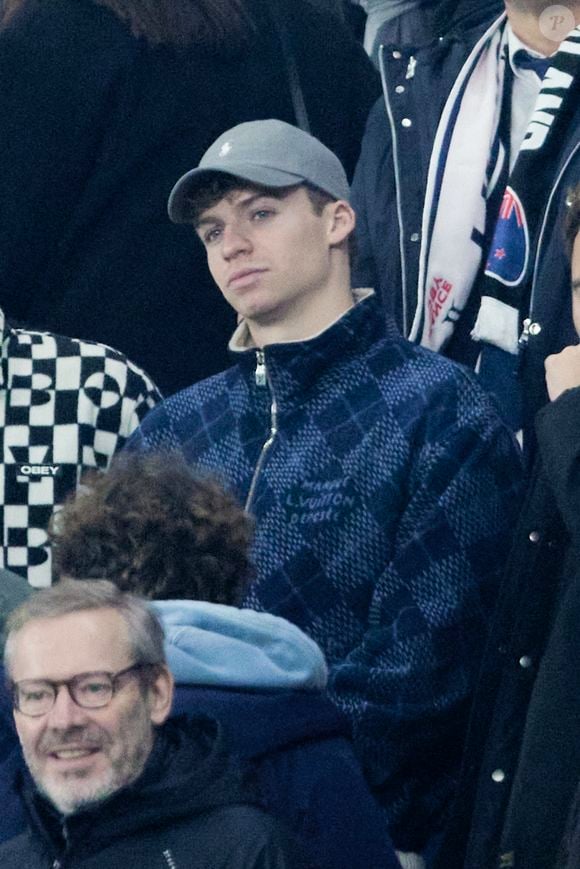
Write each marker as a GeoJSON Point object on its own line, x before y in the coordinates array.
{"type": "Point", "coordinates": [188, 772]}
{"type": "Point", "coordinates": [213, 644]}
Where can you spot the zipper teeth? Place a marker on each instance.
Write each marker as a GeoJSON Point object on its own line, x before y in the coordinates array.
{"type": "Point", "coordinates": [260, 373]}
{"type": "Point", "coordinates": [264, 452]}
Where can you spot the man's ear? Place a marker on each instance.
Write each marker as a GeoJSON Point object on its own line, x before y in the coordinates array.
{"type": "Point", "coordinates": [160, 694]}
{"type": "Point", "coordinates": [342, 220]}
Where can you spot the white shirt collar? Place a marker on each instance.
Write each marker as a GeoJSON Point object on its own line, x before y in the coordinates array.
{"type": "Point", "coordinates": [514, 43]}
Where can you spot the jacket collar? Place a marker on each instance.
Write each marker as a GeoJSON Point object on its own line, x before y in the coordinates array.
{"type": "Point", "coordinates": [296, 367]}
{"type": "Point", "coordinates": [188, 773]}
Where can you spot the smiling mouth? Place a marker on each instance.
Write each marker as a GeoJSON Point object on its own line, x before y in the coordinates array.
{"type": "Point", "coordinates": [73, 753]}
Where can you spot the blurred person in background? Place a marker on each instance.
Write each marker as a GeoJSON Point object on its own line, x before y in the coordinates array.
{"type": "Point", "coordinates": [522, 762]}
{"type": "Point", "coordinates": [103, 104]}
{"type": "Point", "coordinates": [460, 192]}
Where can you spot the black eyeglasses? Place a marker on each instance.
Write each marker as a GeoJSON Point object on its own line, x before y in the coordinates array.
{"type": "Point", "coordinates": [36, 697]}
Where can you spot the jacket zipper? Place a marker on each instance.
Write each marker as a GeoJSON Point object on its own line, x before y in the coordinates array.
{"type": "Point", "coordinates": [260, 374]}
{"type": "Point", "coordinates": [525, 336]}
{"type": "Point", "coordinates": [59, 863]}
{"type": "Point", "coordinates": [261, 378]}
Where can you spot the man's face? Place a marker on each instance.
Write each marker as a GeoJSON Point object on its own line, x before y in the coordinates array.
{"type": "Point", "coordinates": [269, 257]}
{"type": "Point", "coordinates": [80, 756]}
{"type": "Point", "coordinates": [576, 284]}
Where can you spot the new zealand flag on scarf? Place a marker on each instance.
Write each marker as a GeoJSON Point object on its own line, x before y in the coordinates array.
{"type": "Point", "coordinates": [506, 284]}
{"type": "Point", "coordinates": [509, 268]}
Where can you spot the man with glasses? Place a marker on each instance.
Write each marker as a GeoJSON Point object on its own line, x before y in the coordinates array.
{"type": "Point", "coordinates": [113, 783]}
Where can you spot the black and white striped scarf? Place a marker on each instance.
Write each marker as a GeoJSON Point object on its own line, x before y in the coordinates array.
{"type": "Point", "coordinates": [462, 177]}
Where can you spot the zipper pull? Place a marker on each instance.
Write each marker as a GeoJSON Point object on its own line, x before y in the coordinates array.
{"type": "Point", "coordinates": [525, 336]}
{"type": "Point", "coordinates": [260, 374]}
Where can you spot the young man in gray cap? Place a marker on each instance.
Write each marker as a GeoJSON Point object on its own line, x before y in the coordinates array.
{"type": "Point", "coordinates": [380, 478]}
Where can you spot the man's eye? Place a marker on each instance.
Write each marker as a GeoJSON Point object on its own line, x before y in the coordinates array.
{"type": "Point", "coordinates": [211, 234]}
{"type": "Point", "coordinates": [262, 213]}
{"type": "Point", "coordinates": [34, 695]}
{"type": "Point", "coordinates": [93, 688]}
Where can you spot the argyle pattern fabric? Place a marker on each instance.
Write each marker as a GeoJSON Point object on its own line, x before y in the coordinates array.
{"type": "Point", "coordinates": [383, 513]}
{"type": "Point", "coordinates": [65, 406]}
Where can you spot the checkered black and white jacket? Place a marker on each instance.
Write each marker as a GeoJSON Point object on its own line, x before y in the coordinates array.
{"type": "Point", "coordinates": [384, 497]}
{"type": "Point", "coordinates": [65, 406]}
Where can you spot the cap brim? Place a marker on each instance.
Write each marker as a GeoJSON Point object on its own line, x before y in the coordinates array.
{"type": "Point", "coordinates": [179, 203]}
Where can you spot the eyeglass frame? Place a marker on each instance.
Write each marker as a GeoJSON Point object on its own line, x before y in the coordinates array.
{"type": "Point", "coordinates": [55, 685]}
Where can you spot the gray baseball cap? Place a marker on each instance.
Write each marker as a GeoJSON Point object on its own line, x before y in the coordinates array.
{"type": "Point", "coordinates": [271, 153]}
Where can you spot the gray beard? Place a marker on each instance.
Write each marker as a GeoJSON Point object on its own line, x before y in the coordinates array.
{"type": "Point", "coordinates": [122, 773]}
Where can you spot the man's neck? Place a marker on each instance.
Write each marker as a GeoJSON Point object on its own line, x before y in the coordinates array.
{"type": "Point", "coordinates": [303, 323]}
{"type": "Point", "coordinates": [532, 23]}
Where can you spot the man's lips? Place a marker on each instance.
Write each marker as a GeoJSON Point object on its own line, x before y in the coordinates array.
{"type": "Point", "coordinates": [69, 748]}
{"type": "Point", "coordinates": [71, 753]}
{"type": "Point", "coordinates": [244, 277]}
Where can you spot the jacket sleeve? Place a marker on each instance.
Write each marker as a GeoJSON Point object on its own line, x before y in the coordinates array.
{"type": "Point", "coordinates": [155, 433]}
{"type": "Point", "coordinates": [377, 260]}
{"type": "Point", "coordinates": [125, 398]}
{"type": "Point", "coordinates": [57, 64]}
{"type": "Point", "coordinates": [558, 429]}
{"type": "Point", "coordinates": [407, 686]}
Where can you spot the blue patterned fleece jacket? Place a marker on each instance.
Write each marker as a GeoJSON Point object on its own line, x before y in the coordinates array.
{"type": "Point", "coordinates": [384, 488]}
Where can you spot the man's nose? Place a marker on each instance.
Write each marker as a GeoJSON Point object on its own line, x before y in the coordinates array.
{"type": "Point", "coordinates": [234, 241]}
{"type": "Point", "coordinates": [65, 712]}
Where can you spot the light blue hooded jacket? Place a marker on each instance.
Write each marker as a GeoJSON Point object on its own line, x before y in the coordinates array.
{"type": "Point", "coordinates": [227, 647]}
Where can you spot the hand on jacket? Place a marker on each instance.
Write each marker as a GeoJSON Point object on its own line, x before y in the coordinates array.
{"type": "Point", "coordinates": [562, 371]}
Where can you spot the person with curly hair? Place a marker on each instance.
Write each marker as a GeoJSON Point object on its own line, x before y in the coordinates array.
{"type": "Point", "coordinates": [162, 530]}
{"type": "Point", "coordinates": [159, 529]}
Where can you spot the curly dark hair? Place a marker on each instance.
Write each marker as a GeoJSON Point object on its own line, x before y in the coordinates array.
{"type": "Point", "coordinates": [156, 528]}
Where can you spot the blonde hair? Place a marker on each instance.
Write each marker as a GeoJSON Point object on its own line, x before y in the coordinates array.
{"type": "Point", "coordinates": [144, 630]}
